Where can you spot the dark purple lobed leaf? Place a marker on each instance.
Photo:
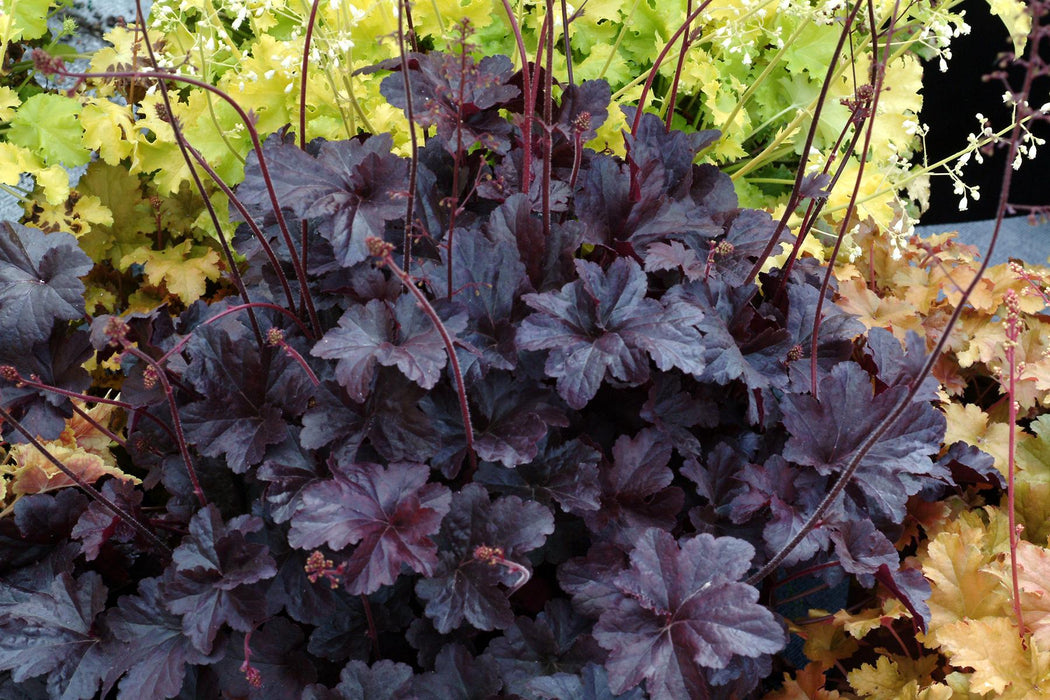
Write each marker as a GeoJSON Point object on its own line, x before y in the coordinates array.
{"type": "Point", "coordinates": [511, 418]}
{"type": "Point", "coordinates": [590, 98]}
{"type": "Point", "coordinates": [354, 186]}
{"type": "Point", "coordinates": [589, 579]}
{"type": "Point", "coordinates": [47, 627]}
{"type": "Point", "coordinates": [464, 588]}
{"type": "Point", "coordinates": [214, 570]}
{"type": "Point", "coordinates": [557, 641]}
{"type": "Point", "coordinates": [402, 336]}
{"type": "Point", "coordinates": [488, 277]}
{"type": "Point", "coordinates": [389, 513]}
{"type": "Point", "coordinates": [664, 159]}
{"type": "Point", "coordinates": [826, 433]}
{"type": "Point", "coordinates": [247, 393]}
{"type": "Point", "coordinates": [384, 680]}
{"type": "Point", "coordinates": [153, 651]}
{"type": "Point", "coordinates": [566, 474]}
{"type": "Point", "coordinates": [680, 610]}
{"type": "Point", "coordinates": [636, 490]}
{"type": "Point", "coordinates": [333, 418]}
{"type": "Point", "coordinates": [603, 326]}
{"type": "Point", "coordinates": [673, 411]}
{"type": "Point", "coordinates": [749, 233]}
{"type": "Point", "coordinates": [391, 420]}
{"type": "Point", "coordinates": [57, 361]}
{"type": "Point", "coordinates": [287, 469]}
{"type": "Point", "coordinates": [862, 549]}
{"type": "Point", "coordinates": [911, 588]}
{"type": "Point", "coordinates": [591, 684]}
{"type": "Point", "coordinates": [397, 428]}
{"type": "Point", "coordinates": [675, 256]}
{"type": "Point", "coordinates": [39, 283]}
{"type": "Point", "coordinates": [968, 464]}
{"type": "Point", "coordinates": [457, 676]}
{"type": "Point", "coordinates": [782, 498]}
{"type": "Point", "coordinates": [41, 524]}
{"type": "Point", "coordinates": [458, 95]}
{"type": "Point", "coordinates": [899, 366]}
{"type": "Point", "coordinates": [98, 524]}
{"type": "Point", "coordinates": [277, 651]}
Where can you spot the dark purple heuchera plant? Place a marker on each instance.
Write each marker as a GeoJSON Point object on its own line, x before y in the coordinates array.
{"type": "Point", "coordinates": [512, 418]}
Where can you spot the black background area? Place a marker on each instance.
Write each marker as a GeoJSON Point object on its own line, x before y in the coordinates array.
{"type": "Point", "coordinates": [950, 102]}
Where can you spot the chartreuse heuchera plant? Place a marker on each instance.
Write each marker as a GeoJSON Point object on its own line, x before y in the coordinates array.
{"type": "Point", "coordinates": [476, 409]}
{"type": "Point", "coordinates": [753, 70]}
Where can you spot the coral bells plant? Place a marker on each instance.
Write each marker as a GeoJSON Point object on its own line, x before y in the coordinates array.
{"type": "Point", "coordinates": [501, 416]}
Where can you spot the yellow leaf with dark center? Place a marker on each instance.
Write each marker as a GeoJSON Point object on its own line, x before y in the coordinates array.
{"type": "Point", "coordinates": [183, 270]}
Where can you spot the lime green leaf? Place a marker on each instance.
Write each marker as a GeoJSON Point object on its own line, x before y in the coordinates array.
{"type": "Point", "coordinates": [106, 128]}
{"type": "Point", "coordinates": [29, 19]}
{"type": "Point", "coordinates": [1016, 19]}
{"type": "Point", "coordinates": [133, 218]}
{"type": "Point", "coordinates": [8, 101]}
{"type": "Point", "coordinates": [183, 269]}
{"type": "Point", "coordinates": [54, 181]}
{"type": "Point", "coordinates": [47, 124]}
{"type": "Point", "coordinates": [14, 161]}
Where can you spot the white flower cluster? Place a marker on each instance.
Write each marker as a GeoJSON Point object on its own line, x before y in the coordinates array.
{"type": "Point", "coordinates": [938, 33]}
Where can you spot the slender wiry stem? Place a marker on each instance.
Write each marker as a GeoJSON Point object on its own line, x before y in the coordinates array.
{"type": "Point", "coordinates": [413, 163]}
{"type": "Point", "coordinates": [1013, 333]}
{"type": "Point", "coordinates": [796, 194]}
{"type": "Point", "coordinates": [87, 417]}
{"type": "Point", "coordinates": [176, 422]}
{"type": "Point", "coordinates": [567, 43]}
{"type": "Point", "coordinates": [11, 374]}
{"type": "Point", "coordinates": [530, 106]}
{"type": "Point", "coordinates": [275, 337]}
{"type": "Point", "coordinates": [264, 169]}
{"type": "Point", "coordinates": [887, 422]}
{"type": "Point", "coordinates": [457, 162]}
{"type": "Point", "coordinates": [225, 312]}
{"type": "Point", "coordinates": [383, 251]}
{"type": "Point", "coordinates": [180, 140]}
{"type": "Point", "coordinates": [548, 112]}
{"type": "Point", "coordinates": [232, 197]}
{"type": "Point", "coordinates": [673, 94]}
{"type": "Point", "coordinates": [682, 29]}
{"type": "Point", "coordinates": [307, 40]}
{"type": "Point", "coordinates": [304, 229]}
{"type": "Point", "coordinates": [878, 68]}
{"type": "Point", "coordinates": [372, 633]}
{"type": "Point", "coordinates": [84, 486]}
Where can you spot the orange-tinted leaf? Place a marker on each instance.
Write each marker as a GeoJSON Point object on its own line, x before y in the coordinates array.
{"type": "Point", "coordinates": [1001, 664]}
{"type": "Point", "coordinates": [955, 563]}
{"type": "Point", "coordinates": [808, 684]}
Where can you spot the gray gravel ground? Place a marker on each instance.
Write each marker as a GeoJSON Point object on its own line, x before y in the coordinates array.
{"type": "Point", "coordinates": [1018, 238]}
